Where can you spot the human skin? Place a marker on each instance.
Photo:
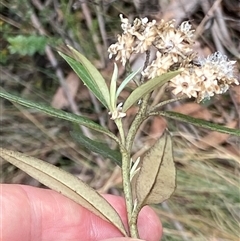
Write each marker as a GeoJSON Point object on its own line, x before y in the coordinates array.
{"type": "Point", "coordinates": [34, 214]}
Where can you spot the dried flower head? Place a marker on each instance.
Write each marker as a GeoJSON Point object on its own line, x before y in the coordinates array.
{"type": "Point", "coordinates": [142, 35]}
{"type": "Point", "coordinates": [213, 76]}
{"type": "Point", "coordinates": [174, 50]}
{"type": "Point", "coordinates": [123, 48]}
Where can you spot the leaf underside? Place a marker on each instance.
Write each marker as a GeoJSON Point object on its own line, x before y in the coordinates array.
{"type": "Point", "coordinates": [65, 183]}
{"type": "Point", "coordinates": [157, 177]}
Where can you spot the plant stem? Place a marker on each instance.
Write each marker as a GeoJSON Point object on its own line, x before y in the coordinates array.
{"type": "Point", "coordinates": [126, 152]}
{"type": "Point", "coordinates": [165, 102]}
{"type": "Point", "coordinates": [141, 115]}
{"type": "Point", "coordinates": [126, 179]}
{"type": "Point", "coordinates": [119, 125]}
{"type": "Point", "coordinates": [135, 213]}
{"type": "Point", "coordinates": [128, 192]}
{"type": "Point", "coordinates": [139, 118]}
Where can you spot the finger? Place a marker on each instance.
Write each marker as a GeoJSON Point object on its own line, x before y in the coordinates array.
{"type": "Point", "coordinates": [35, 214]}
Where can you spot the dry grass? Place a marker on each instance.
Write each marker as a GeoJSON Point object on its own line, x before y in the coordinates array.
{"type": "Point", "coordinates": [205, 205]}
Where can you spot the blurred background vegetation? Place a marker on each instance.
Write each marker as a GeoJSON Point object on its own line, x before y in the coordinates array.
{"type": "Point", "coordinates": [206, 204]}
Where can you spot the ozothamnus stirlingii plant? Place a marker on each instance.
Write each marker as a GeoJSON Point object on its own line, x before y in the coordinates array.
{"type": "Point", "coordinates": [172, 63]}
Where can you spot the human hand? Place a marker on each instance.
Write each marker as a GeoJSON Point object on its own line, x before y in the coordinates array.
{"type": "Point", "coordinates": [35, 214]}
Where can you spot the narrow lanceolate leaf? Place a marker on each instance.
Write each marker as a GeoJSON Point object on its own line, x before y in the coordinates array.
{"type": "Point", "coordinates": [98, 147]}
{"type": "Point", "coordinates": [147, 87]}
{"type": "Point", "coordinates": [93, 72]}
{"type": "Point", "coordinates": [199, 122]}
{"type": "Point", "coordinates": [84, 75]}
{"type": "Point", "coordinates": [126, 81]}
{"type": "Point", "coordinates": [65, 183]}
{"type": "Point", "coordinates": [58, 113]}
{"type": "Point", "coordinates": [113, 87]}
{"type": "Point", "coordinates": [157, 177]}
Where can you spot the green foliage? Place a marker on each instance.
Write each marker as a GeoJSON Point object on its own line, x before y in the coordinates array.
{"type": "Point", "coordinates": [199, 122]}
{"type": "Point", "coordinates": [89, 75]}
{"type": "Point", "coordinates": [58, 113]}
{"type": "Point", "coordinates": [98, 147]}
{"type": "Point", "coordinates": [3, 56]}
{"type": "Point", "coordinates": [148, 87]}
{"type": "Point", "coordinates": [204, 192]}
{"type": "Point", "coordinates": [27, 45]}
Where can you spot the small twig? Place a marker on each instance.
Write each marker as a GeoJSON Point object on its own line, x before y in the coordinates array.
{"type": "Point", "coordinates": [102, 28]}
{"type": "Point", "coordinates": [215, 28]}
{"type": "Point", "coordinates": [10, 21]}
{"type": "Point", "coordinates": [38, 4]}
{"type": "Point", "coordinates": [95, 38]}
{"type": "Point", "coordinates": [208, 16]}
{"type": "Point", "coordinates": [36, 23]}
{"type": "Point", "coordinates": [224, 35]}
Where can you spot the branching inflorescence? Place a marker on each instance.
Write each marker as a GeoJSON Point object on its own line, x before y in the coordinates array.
{"type": "Point", "coordinates": [173, 47]}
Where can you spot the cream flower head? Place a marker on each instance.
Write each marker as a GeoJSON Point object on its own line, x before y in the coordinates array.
{"type": "Point", "coordinates": [174, 50]}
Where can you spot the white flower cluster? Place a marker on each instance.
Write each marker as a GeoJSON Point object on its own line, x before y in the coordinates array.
{"type": "Point", "coordinates": [142, 35]}
{"type": "Point", "coordinates": [213, 75]}
{"type": "Point", "coordinates": [174, 50]}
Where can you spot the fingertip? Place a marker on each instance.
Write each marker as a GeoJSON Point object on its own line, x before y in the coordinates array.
{"type": "Point", "coordinates": [149, 224]}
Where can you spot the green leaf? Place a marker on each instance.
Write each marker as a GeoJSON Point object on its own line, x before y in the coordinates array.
{"type": "Point", "coordinates": [85, 77]}
{"type": "Point", "coordinates": [126, 81]}
{"type": "Point", "coordinates": [199, 122]}
{"type": "Point", "coordinates": [65, 183]}
{"type": "Point", "coordinates": [147, 87]}
{"type": "Point", "coordinates": [157, 177]}
{"type": "Point", "coordinates": [58, 113]}
{"type": "Point", "coordinates": [89, 75]}
{"type": "Point", "coordinates": [113, 86]}
{"type": "Point", "coordinates": [98, 147]}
